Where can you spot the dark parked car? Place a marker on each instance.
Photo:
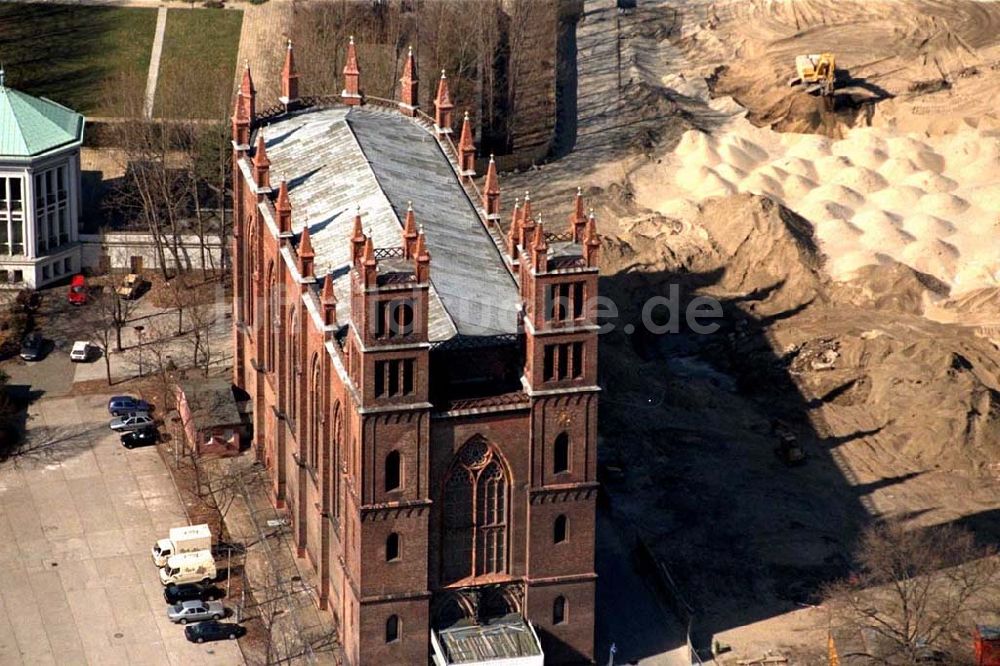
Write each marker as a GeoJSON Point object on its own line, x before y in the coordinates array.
{"type": "Point", "coordinates": [213, 631]}
{"type": "Point", "coordinates": [175, 594]}
{"type": "Point", "coordinates": [124, 404]}
{"type": "Point", "coordinates": [139, 438]}
{"type": "Point", "coordinates": [31, 348]}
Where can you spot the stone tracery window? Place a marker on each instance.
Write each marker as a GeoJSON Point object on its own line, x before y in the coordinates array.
{"type": "Point", "coordinates": [475, 514]}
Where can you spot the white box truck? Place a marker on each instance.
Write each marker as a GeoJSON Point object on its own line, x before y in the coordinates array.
{"type": "Point", "coordinates": [195, 567]}
{"type": "Point", "coordinates": [182, 540]}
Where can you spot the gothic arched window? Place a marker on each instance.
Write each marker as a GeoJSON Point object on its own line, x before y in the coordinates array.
{"type": "Point", "coordinates": [393, 471]}
{"type": "Point", "coordinates": [560, 454]}
{"type": "Point", "coordinates": [559, 529]}
{"type": "Point", "coordinates": [271, 330]}
{"type": "Point", "coordinates": [333, 462]}
{"type": "Point", "coordinates": [559, 610]}
{"type": "Point", "coordinates": [474, 540]}
{"type": "Point", "coordinates": [392, 547]}
{"type": "Point", "coordinates": [293, 367]}
{"type": "Point", "coordinates": [315, 413]}
{"type": "Point", "coordinates": [392, 629]}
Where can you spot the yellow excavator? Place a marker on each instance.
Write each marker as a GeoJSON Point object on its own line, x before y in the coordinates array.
{"type": "Point", "coordinates": [817, 71]}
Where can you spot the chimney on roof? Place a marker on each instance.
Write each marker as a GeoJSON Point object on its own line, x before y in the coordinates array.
{"type": "Point", "coordinates": [410, 233]}
{"type": "Point", "coordinates": [283, 209]}
{"type": "Point", "coordinates": [329, 302]}
{"type": "Point", "coordinates": [261, 165]}
{"type": "Point", "coordinates": [306, 255]}
{"type": "Point", "coordinates": [289, 79]}
{"type": "Point", "coordinates": [423, 259]}
{"type": "Point", "coordinates": [442, 107]}
{"type": "Point", "coordinates": [249, 93]}
{"type": "Point", "coordinates": [358, 238]}
{"type": "Point", "coordinates": [351, 95]}
{"type": "Point", "coordinates": [467, 149]}
{"type": "Point", "coordinates": [591, 242]}
{"type": "Point", "coordinates": [514, 234]}
{"type": "Point", "coordinates": [491, 192]}
{"type": "Point", "coordinates": [369, 265]}
{"type": "Point", "coordinates": [578, 219]}
{"type": "Point", "coordinates": [409, 86]}
{"type": "Point", "coordinates": [540, 250]}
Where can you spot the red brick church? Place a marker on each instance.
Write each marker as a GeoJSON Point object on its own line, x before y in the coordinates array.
{"type": "Point", "coordinates": [423, 377]}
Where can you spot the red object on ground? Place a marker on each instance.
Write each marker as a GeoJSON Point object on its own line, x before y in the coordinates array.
{"type": "Point", "coordinates": [77, 294]}
{"type": "Point", "coordinates": [987, 645]}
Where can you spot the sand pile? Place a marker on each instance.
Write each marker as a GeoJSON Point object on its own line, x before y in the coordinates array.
{"type": "Point", "coordinates": [929, 202]}
{"type": "Point", "coordinates": [762, 249]}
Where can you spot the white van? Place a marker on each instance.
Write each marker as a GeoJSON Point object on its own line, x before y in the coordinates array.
{"type": "Point", "coordinates": [182, 540]}
{"type": "Point", "coordinates": [196, 567]}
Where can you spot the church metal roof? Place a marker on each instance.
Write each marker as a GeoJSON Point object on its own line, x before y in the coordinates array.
{"type": "Point", "coordinates": [338, 159]}
{"type": "Point", "coordinates": [32, 126]}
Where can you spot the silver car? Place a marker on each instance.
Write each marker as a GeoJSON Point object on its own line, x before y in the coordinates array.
{"type": "Point", "coordinates": [131, 421]}
{"type": "Point", "coordinates": [196, 611]}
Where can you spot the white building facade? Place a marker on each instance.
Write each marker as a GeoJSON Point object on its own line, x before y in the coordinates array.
{"type": "Point", "coordinates": [39, 190]}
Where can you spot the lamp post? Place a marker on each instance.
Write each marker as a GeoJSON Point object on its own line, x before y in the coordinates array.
{"type": "Point", "coordinates": [138, 333]}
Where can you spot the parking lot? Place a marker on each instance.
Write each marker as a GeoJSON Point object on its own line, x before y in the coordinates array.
{"type": "Point", "coordinates": [78, 515]}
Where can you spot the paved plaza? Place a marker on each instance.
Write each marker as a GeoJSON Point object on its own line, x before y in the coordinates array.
{"type": "Point", "coordinates": [78, 515]}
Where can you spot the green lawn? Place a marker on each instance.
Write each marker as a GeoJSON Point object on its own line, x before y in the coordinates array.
{"type": "Point", "coordinates": [69, 54]}
{"type": "Point", "coordinates": [198, 65]}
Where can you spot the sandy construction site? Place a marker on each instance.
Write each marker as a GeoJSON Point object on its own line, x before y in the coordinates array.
{"type": "Point", "coordinates": [854, 245]}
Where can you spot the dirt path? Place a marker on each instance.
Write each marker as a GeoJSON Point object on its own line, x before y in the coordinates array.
{"type": "Point", "coordinates": [266, 28]}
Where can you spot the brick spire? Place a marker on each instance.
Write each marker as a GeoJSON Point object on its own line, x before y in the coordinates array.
{"type": "Point", "coordinates": [467, 149]}
{"type": "Point", "coordinates": [306, 255]}
{"type": "Point", "coordinates": [369, 265]}
{"type": "Point", "coordinates": [527, 223]}
{"type": "Point", "coordinates": [514, 234]}
{"type": "Point", "coordinates": [591, 242]}
{"type": "Point", "coordinates": [351, 94]}
{"type": "Point", "coordinates": [329, 302]}
{"type": "Point", "coordinates": [241, 124]}
{"type": "Point", "coordinates": [423, 259]}
{"type": "Point", "coordinates": [248, 92]}
{"type": "Point", "coordinates": [540, 249]}
{"type": "Point", "coordinates": [261, 165]}
{"type": "Point", "coordinates": [289, 79]}
{"type": "Point", "coordinates": [491, 192]}
{"type": "Point", "coordinates": [358, 238]}
{"type": "Point", "coordinates": [409, 86]}
{"type": "Point", "coordinates": [283, 207]}
{"type": "Point", "coordinates": [578, 220]}
{"type": "Point", "coordinates": [410, 233]}
{"type": "Point", "coordinates": [442, 107]}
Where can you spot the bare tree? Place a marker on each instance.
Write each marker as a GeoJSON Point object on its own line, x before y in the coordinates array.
{"type": "Point", "coordinates": [916, 590]}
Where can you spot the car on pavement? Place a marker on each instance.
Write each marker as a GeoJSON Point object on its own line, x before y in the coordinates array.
{"type": "Point", "coordinates": [132, 287]}
{"type": "Point", "coordinates": [131, 421]}
{"type": "Point", "coordinates": [134, 438]}
{"type": "Point", "coordinates": [196, 611]}
{"type": "Point", "coordinates": [31, 348]}
{"type": "Point", "coordinates": [77, 294]}
{"type": "Point", "coordinates": [175, 594]}
{"type": "Point", "coordinates": [213, 631]}
{"type": "Point", "coordinates": [81, 352]}
{"type": "Point", "coordinates": [126, 404]}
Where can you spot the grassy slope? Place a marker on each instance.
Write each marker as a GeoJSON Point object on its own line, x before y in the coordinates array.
{"type": "Point", "coordinates": [67, 53]}
{"type": "Point", "coordinates": [198, 63]}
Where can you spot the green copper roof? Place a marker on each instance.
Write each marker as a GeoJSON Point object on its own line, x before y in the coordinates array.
{"type": "Point", "coordinates": [32, 126]}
